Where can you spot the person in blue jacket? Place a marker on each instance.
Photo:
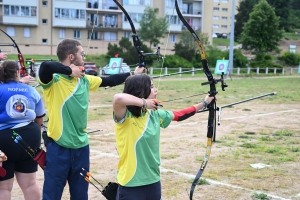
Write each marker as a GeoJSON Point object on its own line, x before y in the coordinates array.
{"type": "Point", "coordinates": [22, 111]}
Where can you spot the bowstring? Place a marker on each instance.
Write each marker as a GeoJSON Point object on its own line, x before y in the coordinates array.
{"type": "Point", "coordinates": [165, 50]}
{"type": "Point", "coordinates": [90, 36]}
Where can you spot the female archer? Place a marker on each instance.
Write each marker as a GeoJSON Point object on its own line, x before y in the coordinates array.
{"type": "Point", "coordinates": [137, 125]}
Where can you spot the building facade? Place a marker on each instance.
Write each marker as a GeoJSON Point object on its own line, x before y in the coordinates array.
{"type": "Point", "coordinates": [37, 26]}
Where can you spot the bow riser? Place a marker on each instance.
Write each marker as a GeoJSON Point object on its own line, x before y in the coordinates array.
{"type": "Point", "coordinates": [20, 56]}
{"type": "Point", "coordinates": [212, 92]}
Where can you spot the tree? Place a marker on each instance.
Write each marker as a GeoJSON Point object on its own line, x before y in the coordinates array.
{"type": "Point", "coordinates": [187, 46]}
{"type": "Point", "coordinates": [128, 52]}
{"type": "Point", "coordinates": [282, 10]}
{"type": "Point", "coordinates": [261, 33]}
{"type": "Point", "coordinates": [244, 9]}
{"type": "Point", "coordinates": [152, 28]}
{"type": "Point", "coordinates": [295, 14]}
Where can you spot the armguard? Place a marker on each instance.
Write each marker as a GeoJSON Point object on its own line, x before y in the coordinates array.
{"type": "Point", "coordinates": [181, 115]}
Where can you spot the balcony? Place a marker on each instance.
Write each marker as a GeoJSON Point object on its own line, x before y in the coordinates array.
{"type": "Point", "coordinates": [191, 12]}
{"type": "Point", "coordinates": [103, 21]}
{"type": "Point", "coordinates": [107, 5]}
{"type": "Point", "coordinates": [196, 28]}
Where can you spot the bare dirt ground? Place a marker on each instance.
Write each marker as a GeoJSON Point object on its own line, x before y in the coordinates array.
{"type": "Point", "coordinates": [183, 144]}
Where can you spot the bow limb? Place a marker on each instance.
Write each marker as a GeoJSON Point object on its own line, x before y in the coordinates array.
{"type": "Point", "coordinates": [212, 92]}
{"type": "Point", "coordinates": [20, 56]}
{"type": "Point", "coordinates": [135, 37]}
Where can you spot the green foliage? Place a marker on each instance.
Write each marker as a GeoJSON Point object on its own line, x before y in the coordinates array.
{"type": "Point", "coordinates": [175, 61]}
{"type": "Point", "coordinates": [239, 60]}
{"type": "Point", "coordinates": [212, 54]}
{"type": "Point", "coordinates": [187, 39]}
{"type": "Point", "coordinates": [282, 8]}
{"type": "Point", "coordinates": [184, 51]}
{"type": "Point", "coordinates": [290, 58]}
{"type": "Point", "coordinates": [261, 196]}
{"type": "Point", "coordinates": [222, 42]}
{"type": "Point", "coordinates": [187, 48]}
{"type": "Point", "coordinates": [292, 35]}
{"type": "Point", "coordinates": [248, 145]}
{"type": "Point", "coordinates": [261, 32]}
{"type": "Point", "coordinates": [244, 9]}
{"type": "Point", "coordinates": [99, 60]}
{"type": "Point", "coordinates": [152, 28]}
{"type": "Point", "coordinates": [265, 64]}
{"type": "Point", "coordinates": [128, 52]}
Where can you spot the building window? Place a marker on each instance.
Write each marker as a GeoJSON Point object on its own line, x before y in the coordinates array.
{"type": "Point", "coordinates": [172, 19]}
{"type": "Point", "coordinates": [215, 17]}
{"type": "Point", "coordinates": [224, 1]}
{"type": "Point", "coordinates": [45, 3]}
{"type": "Point", "coordinates": [170, 3]}
{"type": "Point", "coordinates": [223, 26]}
{"type": "Point", "coordinates": [172, 38]}
{"type": "Point", "coordinates": [44, 41]}
{"type": "Point", "coordinates": [224, 18]}
{"type": "Point", "coordinates": [218, 1]}
{"type": "Point", "coordinates": [62, 33]}
{"type": "Point", "coordinates": [135, 17]}
{"type": "Point", "coordinates": [110, 36]}
{"type": "Point", "coordinates": [110, 20]}
{"type": "Point", "coordinates": [215, 26]}
{"type": "Point", "coordinates": [69, 13]}
{"type": "Point", "coordinates": [94, 35]}
{"type": "Point", "coordinates": [93, 20]}
{"type": "Point", "coordinates": [225, 9]}
{"type": "Point", "coordinates": [77, 34]}
{"type": "Point", "coordinates": [216, 8]}
{"type": "Point", "coordinates": [20, 10]}
{"type": "Point", "coordinates": [11, 31]}
{"type": "Point", "coordinates": [44, 21]}
{"type": "Point", "coordinates": [127, 35]}
{"type": "Point", "coordinates": [27, 32]}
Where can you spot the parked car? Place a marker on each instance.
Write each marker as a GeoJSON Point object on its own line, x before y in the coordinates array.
{"type": "Point", "coordinates": [221, 35]}
{"type": "Point", "coordinates": [90, 68]}
{"type": "Point", "coordinates": [124, 69]}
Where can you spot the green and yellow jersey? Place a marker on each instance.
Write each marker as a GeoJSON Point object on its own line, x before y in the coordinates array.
{"type": "Point", "coordinates": [69, 96]}
{"type": "Point", "coordinates": [138, 142]}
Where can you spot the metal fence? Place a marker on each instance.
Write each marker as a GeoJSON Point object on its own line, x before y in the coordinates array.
{"type": "Point", "coordinates": [236, 71]}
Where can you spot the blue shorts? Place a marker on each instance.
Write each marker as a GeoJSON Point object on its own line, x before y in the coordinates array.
{"type": "Point", "coordinates": [62, 165]}
{"type": "Point", "coordinates": [145, 192]}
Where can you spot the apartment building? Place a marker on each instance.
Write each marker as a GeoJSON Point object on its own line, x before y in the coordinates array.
{"type": "Point", "coordinates": [37, 26]}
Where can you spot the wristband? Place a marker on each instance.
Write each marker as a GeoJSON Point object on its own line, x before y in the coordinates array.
{"type": "Point", "coordinates": [204, 104]}
{"type": "Point", "coordinates": [145, 105]}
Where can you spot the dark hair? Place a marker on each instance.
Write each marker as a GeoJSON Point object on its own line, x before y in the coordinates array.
{"type": "Point", "coordinates": [140, 86]}
{"type": "Point", "coordinates": [8, 70]}
{"type": "Point", "coordinates": [66, 47]}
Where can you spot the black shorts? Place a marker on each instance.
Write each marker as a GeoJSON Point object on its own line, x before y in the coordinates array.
{"type": "Point", "coordinates": [17, 158]}
{"type": "Point", "coordinates": [145, 192]}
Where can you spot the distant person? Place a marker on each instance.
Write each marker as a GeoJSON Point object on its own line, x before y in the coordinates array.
{"type": "Point", "coordinates": [137, 125]}
{"type": "Point", "coordinates": [26, 79]}
{"type": "Point", "coordinates": [3, 56]}
{"type": "Point", "coordinates": [22, 111]}
{"type": "Point", "coordinates": [66, 91]}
